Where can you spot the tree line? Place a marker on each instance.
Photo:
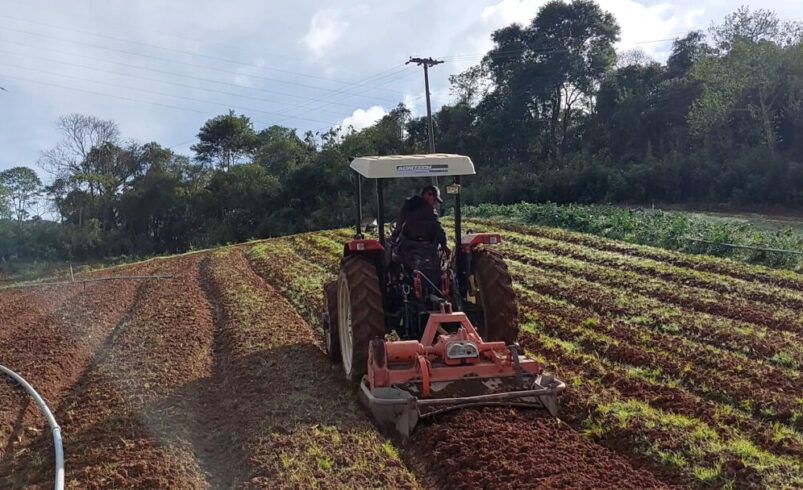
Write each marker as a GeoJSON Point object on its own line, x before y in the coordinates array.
{"type": "Point", "coordinates": [551, 113]}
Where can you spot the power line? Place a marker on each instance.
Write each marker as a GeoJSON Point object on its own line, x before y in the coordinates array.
{"type": "Point", "coordinates": [178, 84]}
{"type": "Point", "coordinates": [517, 52]}
{"type": "Point", "coordinates": [131, 99]}
{"type": "Point", "coordinates": [329, 102]}
{"type": "Point", "coordinates": [373, 79]}
{"type": "Point", "coordinates": [165, 72]}
{"type": "Point", "coordinates": [192, 99]}
{"type": "Point", "coordinates": [181, 51]}
{"type": "Point", "coordinates": [121, 97]}
{"type": "Point", "coordinates": [193, 65]}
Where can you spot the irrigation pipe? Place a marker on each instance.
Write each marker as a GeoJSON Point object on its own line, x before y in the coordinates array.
{"type": "Point", "coordinates": [84, 281]}
{"type": "Point", "coordinates": [54, 426]}
{"type": "Point", "coordinates": [762, 249]}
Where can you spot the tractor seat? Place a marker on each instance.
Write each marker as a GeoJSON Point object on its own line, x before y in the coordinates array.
{"type": "Point", "coordinates": [421, 231]}
{"type": "Point", "coordinates": [417, 248]}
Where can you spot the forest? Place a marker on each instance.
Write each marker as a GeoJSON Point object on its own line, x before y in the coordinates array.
{"type": "Point", "coordinates": [553, 113]}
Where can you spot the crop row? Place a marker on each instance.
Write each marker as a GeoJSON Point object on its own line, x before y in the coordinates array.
{"type": "Point", "coordinates": [741, 379]}
{"type": "Point", "coordinates": [698, 299]}
{"type": "Point", "coordinates": [716, 265]}
{"type": "Point", "coordinates": [756, 340]}
{"type": "Point", "coordinates": [624, 408]}
{"type": "Point", "coordinates": [722, 375]}
{"type": "Point", "coordinates": [287, 409]}
{"type": "Point", "coordinates": [721, 284]}
{"type": "Point", "coordinates": [704, 411]}
{"type": "Point", "coordinates": [570, 325]}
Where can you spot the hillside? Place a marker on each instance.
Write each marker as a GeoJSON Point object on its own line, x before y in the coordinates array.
{"type": "Point", "coordinates": [683, 370]}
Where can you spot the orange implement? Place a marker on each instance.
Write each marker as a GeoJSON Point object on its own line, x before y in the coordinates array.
{"type": "Point", "coordinates": [451, 367]}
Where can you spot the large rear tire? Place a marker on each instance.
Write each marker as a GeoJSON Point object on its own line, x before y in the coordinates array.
{"type": "Point", "coordinates": [495, 296]}
{"type": "Point", "coordinates": [331, 340]}
{"type": "Point", "coordinates": [360, 313]}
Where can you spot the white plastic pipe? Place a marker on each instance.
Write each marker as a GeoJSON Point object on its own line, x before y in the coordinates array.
{"type": "Point", "coordinates": [56, 430]}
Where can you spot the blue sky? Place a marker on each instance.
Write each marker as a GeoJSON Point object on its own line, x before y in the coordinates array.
{"type": "Point", "coordinates": [160, 69]}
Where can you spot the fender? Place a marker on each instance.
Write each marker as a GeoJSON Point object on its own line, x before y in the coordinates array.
{"type": "Point", "coordinates": [471, 240]}
{"type": "Point", "coordinates": [358, 246]}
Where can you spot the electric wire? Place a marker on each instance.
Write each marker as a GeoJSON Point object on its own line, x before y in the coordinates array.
{"type": "Point", "coordinates": [113, 96]}
{"type": "Point", "coordinates": [181, 51]}
{"type": "Point", "coordinates": [193, 65]}
{"type": "Point", "coordinates": [162, 94]}
{"type": "Point", "coordinates": [175, 74]}
{"type": "Point", "coordinates": [178, 84]}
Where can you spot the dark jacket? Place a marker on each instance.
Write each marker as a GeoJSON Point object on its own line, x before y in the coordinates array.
{"type": "Point", "coordinates": [414, 210]}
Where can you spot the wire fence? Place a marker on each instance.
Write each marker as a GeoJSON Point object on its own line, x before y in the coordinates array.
{"type": "Point", "coordinates": [748, 247]}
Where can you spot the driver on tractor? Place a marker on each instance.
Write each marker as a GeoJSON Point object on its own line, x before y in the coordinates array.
{"type": "Point", "coordinates": [418, 234]}
{"type": "Point", "coordinates": [419, 210]}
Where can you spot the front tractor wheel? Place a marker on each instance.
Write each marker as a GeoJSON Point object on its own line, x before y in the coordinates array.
{"type": "Point", "coordinates": [360, 314]}
{"type": "Point", "coordinates": [495, 296]}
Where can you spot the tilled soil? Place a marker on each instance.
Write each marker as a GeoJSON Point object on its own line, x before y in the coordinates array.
{"type": "Point", "coordinates": [216, 379]}
{"type": "Point", "coordinates": [290, 413]}
{"type": "Point", "coordinates": [497, 448]}
{"type": "Point", "coordinates": [504, 448]}
{"type": "Point", "coordinates": [124, 419]}
{"type": "Point", "coordinates": [53, 343]}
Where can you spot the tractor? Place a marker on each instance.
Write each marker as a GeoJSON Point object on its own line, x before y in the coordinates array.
{"type": "Point", "coordinates": [421, 333]}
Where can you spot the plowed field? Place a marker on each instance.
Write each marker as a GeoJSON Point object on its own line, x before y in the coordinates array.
{"type": "Point", "coordinates": [682, 371]}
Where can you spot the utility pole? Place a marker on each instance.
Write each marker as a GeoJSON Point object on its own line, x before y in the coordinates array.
{"type": "Point", "coordinates": [426, 63]}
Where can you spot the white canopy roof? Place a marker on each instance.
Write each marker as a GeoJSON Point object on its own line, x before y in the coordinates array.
{"type": "Point", "coordinates": [395, 166]}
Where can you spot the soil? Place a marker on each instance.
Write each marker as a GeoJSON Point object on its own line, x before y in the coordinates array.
{"type": "Point", "coordinates": [118, 429]}
{"type": "Point", "coordinates": [50, 345]}
{"type": "Point", "coordinates": [284, 400]}
{"type": "Point", "coordinates": [213, 379]}
{"type": "Point", "coordinates": [503, 448]}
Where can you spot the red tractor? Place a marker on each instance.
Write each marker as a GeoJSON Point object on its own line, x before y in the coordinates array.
{"type": "Point", "coordinates": [422, 333]}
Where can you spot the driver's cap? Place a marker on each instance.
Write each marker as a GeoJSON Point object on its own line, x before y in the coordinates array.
{"type": "Point", "coordinates": [432, 188]}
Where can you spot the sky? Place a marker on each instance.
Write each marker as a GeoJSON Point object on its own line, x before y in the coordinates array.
{"type": "Point", "coordinates": [161, 69]}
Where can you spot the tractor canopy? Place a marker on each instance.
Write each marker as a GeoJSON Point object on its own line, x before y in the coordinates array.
{"type": "Point", "coordinates": [398, 166]}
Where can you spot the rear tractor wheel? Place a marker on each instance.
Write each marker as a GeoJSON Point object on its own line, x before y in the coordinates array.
{"type": "Point", "coordinates": [495, 297]}
{"type": "Point", "coordinates": [331, 341]}
{"type": "Point", "coordinates": [360, 314]}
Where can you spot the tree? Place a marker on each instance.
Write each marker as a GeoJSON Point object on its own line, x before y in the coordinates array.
{"type": "Point", "coordinates": [633, 57]}
{"type": "Point", "coordinates": [280, 151]}
{"type": "Point", "coordinates": [685, 52]}
{"type": "Point", "coordinates": [23, 187]}
{"type": "Point", "coordinates": [225, 140]}
{"type": "Point", "coordinates": [5, 201]}
{"type": "Point", "coordinates": [242, 197]}
{"type": "Point", "coordinates": [573, 44]}
{"type": "Point", "coordinates": [748, 78]}
{"type": "Point", "coordinates": [550, 70]}
{"type": "Point", "coordinates": [81, 133]}
{"type": "Point", "coordinates": [471, 85]}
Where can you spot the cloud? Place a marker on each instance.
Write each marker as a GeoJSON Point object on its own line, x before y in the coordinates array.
{"type": "Point", "coordinates": [326, 27]}
{"type": "Point", "coordinates": [646, 26]}
{"type": "Point", "coordinates": [509, 11]}
{"type": "Point", "coordinates": [244, 74]}
{"type": "Point", "coordinates": [362, 118]}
